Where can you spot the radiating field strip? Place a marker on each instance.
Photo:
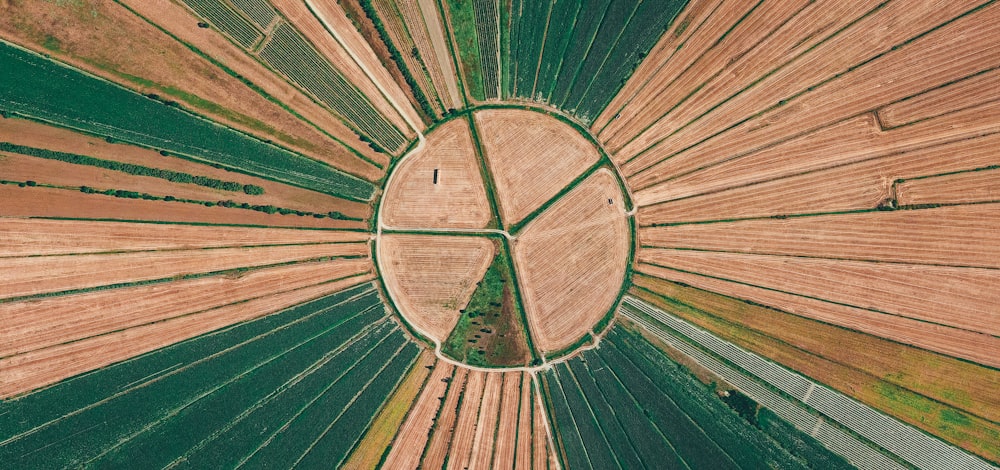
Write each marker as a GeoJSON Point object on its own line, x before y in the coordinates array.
{"type": "Point", "coordinates": [227, 20]}
{"type": "Point", "coordinates": [962, 94]}
{"type": "Point", "coordinates": [569, 444]}
{"type": "Point", "coordinates": [485, 440]}
{"type": "Point", "coordinates": [619, 440]}
{"type": "Point", "coordinates": [584, 34]}
{"type": "Point", "coordinates": [36, 237]}
{"type": "Point", "coordinates": [961, 188]}
{"type": "Point", "coordinates": [138, 408]}
{"type": "Point", "coordinates": [97, 106]}
{"type": "Point", "coordinates": [259, 11]}
{"type": "Point", "coordinates": [463, 436]}
{"type": "Point", "coordinates": [436, 452]}
{"type": "Point", "coordinates": [421, 423]}
{"type": "Point", "coordinates": [32, 276]}
{"type": "Point", "coordinates": [892, 435]}
{"type": "Point", "coordinates": [507, 433]}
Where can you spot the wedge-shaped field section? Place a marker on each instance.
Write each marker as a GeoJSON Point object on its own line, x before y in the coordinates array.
{"type": "Point", "coordinates": [531, 157]}
{"type": "Point", "coordinates": [441, 186]}
{"type": "Point", "coordinates": [571, 261]}
{"type": "Point", "coordinates": [432, 277]}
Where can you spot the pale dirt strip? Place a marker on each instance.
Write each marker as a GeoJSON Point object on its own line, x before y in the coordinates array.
{"type": "Point", "coordinates": [30, 276]}
{"type": "Point", "coordinates": [37, 135]}
{"type": "Point", "coordinates": [657, 63]}
{"type": "Point", "coordinates": [570, 273]}
{"type": "Point", "coordinates": [435, 276]}
{"type": "Point", "coordinates": [963, 298]}
{"type": "Point", "coordinates": [525, 435]}
{"type": "Point", "coordinates": [962, 188]}
{"type": "Point", "coordinates": [180, 23]}
{"type": "Point", "coordinates": [485, 440]}
{"type": "Point", "coordinates": [943, 236]}
{"type": "Point", "coordinates": [37, 324]}
{"type": "Point", "coordinates": [27, 372]}
{"type": "Point", "coordinates": [415, 432]}
{"type": "Point", "coordinates": [465, 428]}
{"type": "Point", "coordinates": [854, 186]}
{"type": "Point", "coordinates": [946, 54]}
{"type": "Point", "coordinates": [439, 442]}
{"type": "Point", "coordinates": [506, 441]}
{"type": "Point", "coordinates": [298, 15]}
{"type": "Point", "coordinates": [543, 456]}
{"type": "Point", "coordinates": [966, 93]}
{"type": "Point", "coordinates": [70, 204]}
{"type": "Point", "coordinates": [332, 15]}
{"type": "Point", "coordinates": [33, 237]}
{"type": "Point", "coordinates": [531, 157]}
{"type": "Point", "coordinates": [435, 31]}
{"type": "Point", "coordinates": [976, 347]}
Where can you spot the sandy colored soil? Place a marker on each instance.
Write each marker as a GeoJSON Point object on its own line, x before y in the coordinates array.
{"type": "Point", "coordinates": [465, 426]}
{"type": "Point", "coordinates": [571, 261]}
{"type": "Point", "coordinates": [388, 425]}
{"type": "Point", "coordinates": [419, 425]}
{"type": "Point", "coordinates": [298, 14]}
{"type": "Point", "coordinates": [967, 93]}
{"type": "Point", "coordinates": [183, 24]}
{"type": "Point", "coordinates": [507, 426]}
{"type": "Point", "coordinates": [485, 440]}
{"type": "Point", "coordinates": [939, 236]}
{"type": "Point", "coordinates": [334, 14]}
{"type": "Point", "coordinates": [458, 200]}
{"type": "Point", "coordinates": [525, 437]}
{"type": "Point", "coordinates": [688, 21]}
{"type": "Point", "coordinates": [443, 71]}
{"type": "Point", "coordinates": [437, 447]}
{"type": "Point", "coordinates": [103, 38]}
{"type": "Point", "coordinates": [855, 140]}
{"type": "Point", "coordinates": [27, 372]}
{"type": "Point", "coordinates": [80, 316]}
{"type": "Point", "coordinates": [542, 457]}
{"type": "Point", "coordinates": [866, 367]}
{"type": "Point", "coordinates": [433, 277]}
{"type": "Point", "coordinates": [962, 188]}
{"type": "Point", "coordinates": [976, 347]}
{"type": "Point", "coordinates": [24, 237]}
{"type": "Point", "coordinates": [31, 134]}
{"type": "Point", "coordinates": [955, 297]}
{"type": "Point", "coordinates": [864, 184]}
{"type": "Point", "coordinates": [401, 37]}
{"type": "Point", "coordinates": [67, 203]}
{"type": "Point", "coordinates": [752, 119]}
{"type": "Point", "coordinates": [37, 275]}
{"type": "Point", "coordinates": [531, 157]}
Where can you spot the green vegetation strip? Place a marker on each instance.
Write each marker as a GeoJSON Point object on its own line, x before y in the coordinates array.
{"type": "Point", "coordinates": [42, 89]}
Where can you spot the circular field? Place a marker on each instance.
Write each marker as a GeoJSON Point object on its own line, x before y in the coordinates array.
{"type": "Point", "coordinates": [505, 238]}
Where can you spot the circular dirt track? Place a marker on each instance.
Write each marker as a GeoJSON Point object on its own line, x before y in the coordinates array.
{"type": "Point", "coordinates": [506, 238]}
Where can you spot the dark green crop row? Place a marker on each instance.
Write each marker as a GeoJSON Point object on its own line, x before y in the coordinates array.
{"type": "Point", "coordinates": [44, 90]}
{"type": "Point", "coordinates": [162, 405]}
{"type": "Point", "coordinates": [132, 169]}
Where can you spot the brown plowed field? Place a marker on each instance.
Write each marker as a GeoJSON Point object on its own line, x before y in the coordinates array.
{"type": "Point", "coordinates": [389, 13]}
{"type": "Point", "coordinates": [687, 22]}
{"type": "Point", "coordinates": [967, 93]}
{"type": "Point", "coordinates": [939, 236]}
{"type": "Point", "coordinates": [485, 441]}
{"type": "Point", "coordinates": [946, 54]}
{"type": "Point", "coordinates": [27, 372]}
{"type": "Point", "coordinates": [955, 297]}
{"type": "Point", "coordinates": [182, 24]}
{"type": "Point", "coordinates": [72, 204]}
{"type": "Point", "coordinates": [855, 139]}
{"type": "Point", "coordinates": [75, 317]}
{"type": "Point", "coordinates": [103, 38]}
{"type": "Point", "coordinates": [31, 134]}
{"type": "Point", "coordinates": [415, 432]}
{"type": "Point", "coordinates": [860, 185]}
{"type": "Point", "coordinates": [542, 457]}
{"type": "Point", "coordinates": [30, 276]}
{"type": "Point", "coordinates": [298, 15]}
{"type": "Point", "coordinates": [439, 442]}
{"type": "Point", "coordinates": [23, 237]}
{"type": "Point", "coordinates": [571, 261]}
{"type": "Point", "coordinates": [531, 157]}
{"type": "Point", "coordinates": [962, 188]}
{"type": "Point", "coordinates": [507, 427]}
{"type": "Point", "coordinates": [976, 347]}
{"type": "Point", "coordinates": [525, 436]}
{"type": "Point", "coordinates": [333, 13]}
{"type": "Point", "coordinates": [434, 276]}
{"type": "Point", "coordinates": [460, 450]}
{"type": "Point", "coordinates": [458, 198]}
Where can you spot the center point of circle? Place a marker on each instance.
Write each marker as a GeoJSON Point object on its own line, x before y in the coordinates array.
{"type": "Point", "coordinates": [505, 239]}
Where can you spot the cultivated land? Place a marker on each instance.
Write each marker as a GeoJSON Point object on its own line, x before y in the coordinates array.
{"type": "Point", "coordinates": [531, 157]}
{"type": "Point", "coordinates": [571, 261]}
{"type": "Point", "coordinates": [441, 186]}
{"type": "Point", "coordinates": [433, 277]}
